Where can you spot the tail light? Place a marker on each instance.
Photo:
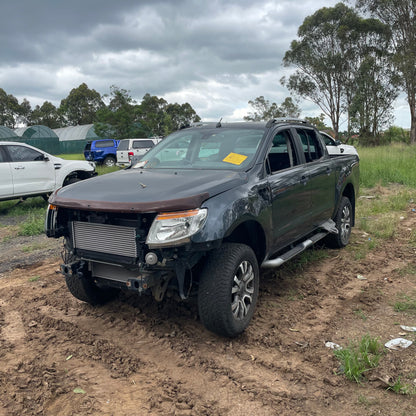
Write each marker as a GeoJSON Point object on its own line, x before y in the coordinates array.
{"type": "Point", "coordinates": [131, 154]}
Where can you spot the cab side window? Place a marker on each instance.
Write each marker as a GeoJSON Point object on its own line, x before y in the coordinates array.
{"type": "Point", "coordinates": [282, 154]}
{"type": "Point", "coordinates": [23, 154]}
{"type": "Point", "coordinates": [310, 144]}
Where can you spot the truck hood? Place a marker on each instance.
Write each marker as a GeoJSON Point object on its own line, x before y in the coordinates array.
{"type": "Point", "coordinates": [147, 190]}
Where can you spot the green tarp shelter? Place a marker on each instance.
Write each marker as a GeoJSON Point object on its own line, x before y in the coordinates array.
{"type": "Point", "coordinates": [73, 139]}
{"type": "Point", "coordinates": [41, 137]}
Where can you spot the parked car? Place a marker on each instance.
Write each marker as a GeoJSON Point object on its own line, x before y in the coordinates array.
{"type": "Point", "coordinates": [335, 147]}
{"type": "Point", "coordinates": [103, 151]}
{"type": "Point", "coordinates": [134, 148]}
{"type": "Point", "coordinates": [27, 171]}
{"type": "Point", "coordinates": [201, 212]}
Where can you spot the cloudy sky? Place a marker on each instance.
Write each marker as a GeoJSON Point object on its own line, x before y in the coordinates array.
{"type": "Point", "coordinates": [217, 55]}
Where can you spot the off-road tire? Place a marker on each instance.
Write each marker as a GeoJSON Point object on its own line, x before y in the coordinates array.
{"type": "Point", "coordinates": [228, 289]}
{"type": "Point", "coordinates": [343, 222]}
{"type": "Point", "coordinates": [84, 289]}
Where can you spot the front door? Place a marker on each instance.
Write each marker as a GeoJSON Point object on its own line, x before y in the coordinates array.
{"type": "Point", "coordinates": [31, 172]}
{"type": "Point", "coordinates": [290, 196]}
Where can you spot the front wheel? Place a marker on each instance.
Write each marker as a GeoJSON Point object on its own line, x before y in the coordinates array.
{"type": "Point", "coordinates": [228, 289]}
{"type": "Point", "coordinates": [84, 289]}
{"type": "Point", "coordinates": [343, 223]}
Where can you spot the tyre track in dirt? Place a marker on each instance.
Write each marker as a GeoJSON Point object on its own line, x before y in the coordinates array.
{"type": "Point", "coordinates": [159, 356]}
{"type": "Point", "coordinates": [206, 368]}
{"type": "Point", "coordinates": [136, 357]}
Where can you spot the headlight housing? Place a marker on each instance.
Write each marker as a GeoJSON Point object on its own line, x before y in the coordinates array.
{"type": "Point", "coordinates": [175, 228]}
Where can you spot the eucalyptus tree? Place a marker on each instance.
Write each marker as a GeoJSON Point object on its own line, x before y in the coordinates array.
{"type": "Point", "coordinates": [320, 60]}
{"type": "Point", "coordinates": [335, 45]}
{"type": "Point", "coordinates": [400, 15]}
{"type": "Point", "coordinates": [47, 115]}
{"type": "Point", "coordinates": [9, 109]}
{"type": "Point", "coordinates": [119, 119]}
{"type": "Point", "coordinates": [81, 105]}
{"type": "Point", "coordinates": [263, 110]}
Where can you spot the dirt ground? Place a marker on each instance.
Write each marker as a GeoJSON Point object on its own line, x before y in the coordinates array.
{"type": "Point", "coordinates": [59, 356]}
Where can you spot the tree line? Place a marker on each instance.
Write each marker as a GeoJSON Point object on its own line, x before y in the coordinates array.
{"type": "Point", "coordinates": [351, 62]}
{"type": "Point", "coordinates": [115, 115]}
{"type": "Point", "coordinates": [354, 66]}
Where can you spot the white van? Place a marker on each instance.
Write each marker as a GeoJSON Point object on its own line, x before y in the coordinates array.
{"type": "Point", "coordinates": [129, 148]}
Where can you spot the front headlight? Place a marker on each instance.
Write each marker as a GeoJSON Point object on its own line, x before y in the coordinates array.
{"type": "Point", "coordinates": [174, 228]}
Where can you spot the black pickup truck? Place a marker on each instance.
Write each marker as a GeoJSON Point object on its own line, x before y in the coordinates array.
{"type": "Point", "coordinates": [208, 207]}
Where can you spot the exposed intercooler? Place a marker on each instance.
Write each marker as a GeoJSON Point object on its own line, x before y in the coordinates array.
{"type": "Point", "coordinates": [104, 238]}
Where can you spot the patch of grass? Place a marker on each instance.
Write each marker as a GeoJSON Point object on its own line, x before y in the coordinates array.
{"type": "Point", "coordinates": [366, 402]}
{"type": "Point", "coordinates": [360, 314]}
{"type": "Point", "coordinates": [34, 279]}
{"type": "Point", "coordinates": [401, 388]}
{"type": "Point", "coordinates": [294, 295]}
{"type": "Point", "coordinates": [412, 240]}
{"type": "Point", "coordinates": [387, 164]}
{"type": "Point", "coordinates": [406, 270]}
{"type": "Point", "coordinates": [33, 247]}
{"type": "Point", "coordinates": [359, 357]}
{"type": "Point", "coordinates": [406, 303]}
{"type": "Point", "coordinates": [72, 156]}
{"type": "Point", "coordinates": [102, 170]}
{"type": "Point", "coordinates": [34, 224]}
{"type": "Point", "coordinates": [15, 208]}
{"type": "Point", "coordinates": [379, 216]}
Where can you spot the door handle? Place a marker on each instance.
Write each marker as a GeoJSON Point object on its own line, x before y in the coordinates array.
{"type": "Point", "coordinates": [19, 167]}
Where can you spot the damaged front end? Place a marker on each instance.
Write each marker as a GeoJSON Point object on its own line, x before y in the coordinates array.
{"type": "Point", "coordinates": [140, 252]}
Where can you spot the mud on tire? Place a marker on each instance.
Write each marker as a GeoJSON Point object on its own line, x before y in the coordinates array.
{"type": "Point", "coordinates": [228, 289]}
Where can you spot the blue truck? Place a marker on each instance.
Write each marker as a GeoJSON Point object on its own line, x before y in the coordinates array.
{"type": "Point", "coordinates": [103, 152]}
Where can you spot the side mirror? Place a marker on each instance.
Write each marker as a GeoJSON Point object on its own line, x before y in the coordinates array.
{"type": "Point", "coordinates": [337, 142]}
{"type": "Point", "coordinates": [45, 158]}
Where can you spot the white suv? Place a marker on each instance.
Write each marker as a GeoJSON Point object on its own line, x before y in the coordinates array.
{"type": "Point", "coordinates": [133, 148]}
{"type": "Point", "coordinates": [27, 171]}
{"type": "Point", "coordinates": [335, 147]}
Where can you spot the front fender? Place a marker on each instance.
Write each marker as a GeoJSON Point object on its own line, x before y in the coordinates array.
{"type": "Point", "coordinates": [71, 167]}
{"type": "Point", "coordinates": [228, 210]}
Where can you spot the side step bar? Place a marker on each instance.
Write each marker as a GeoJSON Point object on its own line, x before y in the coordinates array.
{"type": "Point", "coordinates": [328, 227]}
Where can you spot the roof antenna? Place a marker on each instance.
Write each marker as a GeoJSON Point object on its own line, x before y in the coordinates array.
{"type": "Point", "coordinates": [219, 123]}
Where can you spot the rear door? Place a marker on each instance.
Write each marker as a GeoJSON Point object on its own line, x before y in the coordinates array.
{"type": "Point", "coordinates": [321, 177]}
{"type": "Point", "coordinates": [6, 179]}
{"type": "Point", "coordinates": [123, 151]}
{"type": "Point", "coordinates": [30, 171]}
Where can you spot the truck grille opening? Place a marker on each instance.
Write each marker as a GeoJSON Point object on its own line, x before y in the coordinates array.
{"type": "Point", "coordinates": [104, 238]}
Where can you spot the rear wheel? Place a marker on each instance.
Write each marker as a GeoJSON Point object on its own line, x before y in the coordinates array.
{"type": "Point", "coordinates": [228, 289]}
{"type": "Point", "coordinates": [109, 161]}
{"type": "Point", "coordinates": [343, 223]}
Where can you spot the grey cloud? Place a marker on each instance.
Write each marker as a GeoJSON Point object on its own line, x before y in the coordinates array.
{"type": "Point", "coordinates": [228, 51]}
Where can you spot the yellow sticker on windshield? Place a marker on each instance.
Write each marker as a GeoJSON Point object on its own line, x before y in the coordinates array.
{"type": "Point", "coordinates": [235, 159]}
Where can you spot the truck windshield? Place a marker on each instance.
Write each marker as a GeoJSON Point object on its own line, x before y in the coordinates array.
{"type": "Point", "coordinates": [205, 149]}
